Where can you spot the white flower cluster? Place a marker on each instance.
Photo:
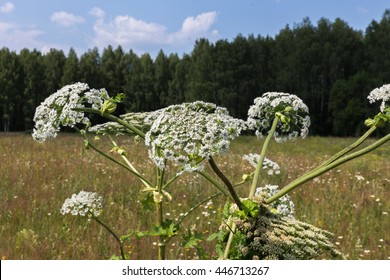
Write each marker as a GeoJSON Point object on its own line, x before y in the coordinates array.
{"type": "Point", "coordinates": [84, 203]}
{"type": "Point", "coordinates": [295, 119]}
{"type": "Point", "coordinates": [190, 132]}
{"type": "Point", "coordinates": [58, 109]}
{"type": "Point", "coordinates": [381, 93]}
{"type": "Point", "coordinates": [269, 165]}
{"type": "Point", "coordinates": [284, 205]}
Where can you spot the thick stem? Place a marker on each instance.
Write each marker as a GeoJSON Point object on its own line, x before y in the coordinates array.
{"type": "Point", "coordinates": [160, 219]}
{"type": "Point", "coordinates": [226, 181]}
{"type": "Point", "coordinates": [255, 179]}
{"type": "Point", "coordinates": [230, 241]}
{"type": "Point", "coordinates": [303, 179]}
{"type": "Point", "coordinates": [113, 234]}
{"type": "Point", "coordinates": [339, 154]}
{"type": "Point", "coordinates": [350, 147]}
{"type": "Point", "coordinates": [262, 156]}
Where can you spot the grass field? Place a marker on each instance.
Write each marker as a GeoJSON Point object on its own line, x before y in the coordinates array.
{"type": "Point", "coordinates": [352, 201]}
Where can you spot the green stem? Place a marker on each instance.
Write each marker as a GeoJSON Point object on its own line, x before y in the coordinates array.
{"type": "Point", "coordinates": [193, 208]}
{"type": "Point", "coordinates": [262, 156]}
{"type": "Point", "coordinates": [339, 154]}
{"type": "Point", "coordinates": [113, 234]}
{"type": "Point", "coordinates": [255, 179]}
{"type": "Point", "coordinates": [214, 182]}
{"type": "Point", "coordinates": [116, 161]}
{"type": "Point", "coordinates": [303, 179]}
{"type": "Point", "coordinates": [126, 160]}
{"type": "Point", "coordinates": [170, 181]}
{"type": "Point", "coordinates": [230, 241]}
{"type": "Point", "coordinates": [226, 181]}
{"type": "Point", "coordinates": [112, 118]}
{"type": "Point", "coordinates": [160, 219]}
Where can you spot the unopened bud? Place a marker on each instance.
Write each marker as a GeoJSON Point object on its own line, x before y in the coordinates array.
{"type": "Point", "coordinates": [108, 107]}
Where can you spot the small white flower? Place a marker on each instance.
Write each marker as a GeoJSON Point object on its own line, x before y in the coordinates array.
{"type": "Point", "coordinates": [83, 204]}
{"type": "Point", "coordinates": [295, 116]}
{"type": "Point", "coordinates": [359, 177]}
{"type": "Point", "coordinates": [382, 93]}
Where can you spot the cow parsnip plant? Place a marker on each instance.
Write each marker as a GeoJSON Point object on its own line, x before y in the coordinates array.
{"type": "Point", "coordinates": [189, 136]}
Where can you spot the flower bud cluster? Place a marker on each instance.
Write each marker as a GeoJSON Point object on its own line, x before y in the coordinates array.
{"type": "Point", "coordinates": [83, 204]}
{"type": "Point", "coordinates": [189, 133]}
{"type": "Point", "coordinates": [271, 236]}
{"type": "Point", "coordinates": [293, 113]}
{"type": "Point", "coordinates": [269, 165]}
{"type": "Point", "coordinates": [59, 109]}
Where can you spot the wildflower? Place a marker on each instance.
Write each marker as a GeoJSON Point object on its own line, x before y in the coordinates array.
{"type": "Point", "coordinates": [189, 133]}
{"type": "Point", "coordinates": [284, 206]}
{"type": "Point", "coordinates": [291, 109]}
{"type": "Point", "coordinates": [382, 93]}
{"type": "Point", "coordinates": [359, 177]}
{"type": "Point", "coordinates": [84, 203]}
{"type": "Point", "coordinates": [269, 165]}
{"type": "Point", "coordinates": [58, 109]}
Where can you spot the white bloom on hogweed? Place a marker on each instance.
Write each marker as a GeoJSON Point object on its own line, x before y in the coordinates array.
{"type": "Point", "coordinates": [381, 93]}
{"type": "Point", "coordinates": [295, 120]}
{"type": "Point", "coordinates": [189, 133]}
{"type": "Point", "coordinates": [58, 109]}
{"type": "Point", "coordinates": [83, 204]}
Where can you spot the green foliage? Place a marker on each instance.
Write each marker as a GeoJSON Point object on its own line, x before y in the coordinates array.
{"type": "Point", "coordinates": [249, 209]}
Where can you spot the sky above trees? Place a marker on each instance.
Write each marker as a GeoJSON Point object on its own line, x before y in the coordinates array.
{"type": "Point", "coordinates": [173, 25]}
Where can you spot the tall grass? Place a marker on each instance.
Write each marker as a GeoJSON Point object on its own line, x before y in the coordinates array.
{"type": "Point", "coordinates": [352, 201]}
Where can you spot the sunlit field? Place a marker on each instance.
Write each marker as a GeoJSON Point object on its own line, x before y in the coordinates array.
{"type": "Point", "coordinates": [352, 201]}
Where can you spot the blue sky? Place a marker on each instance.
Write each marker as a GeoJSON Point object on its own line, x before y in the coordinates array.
{"type": "Point", "coordinates": [170, 25]}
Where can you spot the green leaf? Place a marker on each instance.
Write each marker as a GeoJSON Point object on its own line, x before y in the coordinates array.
{"type": "Point", "coordinates": [249, 209]}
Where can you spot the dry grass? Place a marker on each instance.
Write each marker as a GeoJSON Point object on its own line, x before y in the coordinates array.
{"type": "Point", "coordinates": [352, 201]}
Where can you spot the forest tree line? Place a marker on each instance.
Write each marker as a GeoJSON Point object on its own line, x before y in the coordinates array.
{"type": "Point", "coordinates": [331, 66]}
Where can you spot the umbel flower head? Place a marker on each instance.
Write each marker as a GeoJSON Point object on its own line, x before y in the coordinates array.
{"type": "Point", "coordinates": [190, 132]}
{"type": "Point", "coordinates": [83, 204]}
{"type": "Point", "coordinates": [294, 119]}
{"type": "Point", "coordinates": [382, 93]}
{"type": "Point", "coordinates": [58, 109]}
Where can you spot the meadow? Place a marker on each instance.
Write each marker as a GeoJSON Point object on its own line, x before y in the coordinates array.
{"type": "Point", "coordinates": [352, 201]}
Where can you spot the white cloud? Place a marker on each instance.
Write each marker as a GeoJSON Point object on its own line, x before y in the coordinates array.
{"type": "Point", "coordinates": [8, 7]}
{"type": "Point", "coordinates": [125, 31]}
{"type": "Point", "coordinates": [17, 38]}
{"type": "Point", "coordinates": [195, 27]}
{"type": "Point", "coordinates": [362, 10]}
{"type": "Point", "coordinates": [97, 12]}
{"type": "Point", "coordinates": [66, 19]}
{"type": "Point", "coordinates": [134, 33]}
